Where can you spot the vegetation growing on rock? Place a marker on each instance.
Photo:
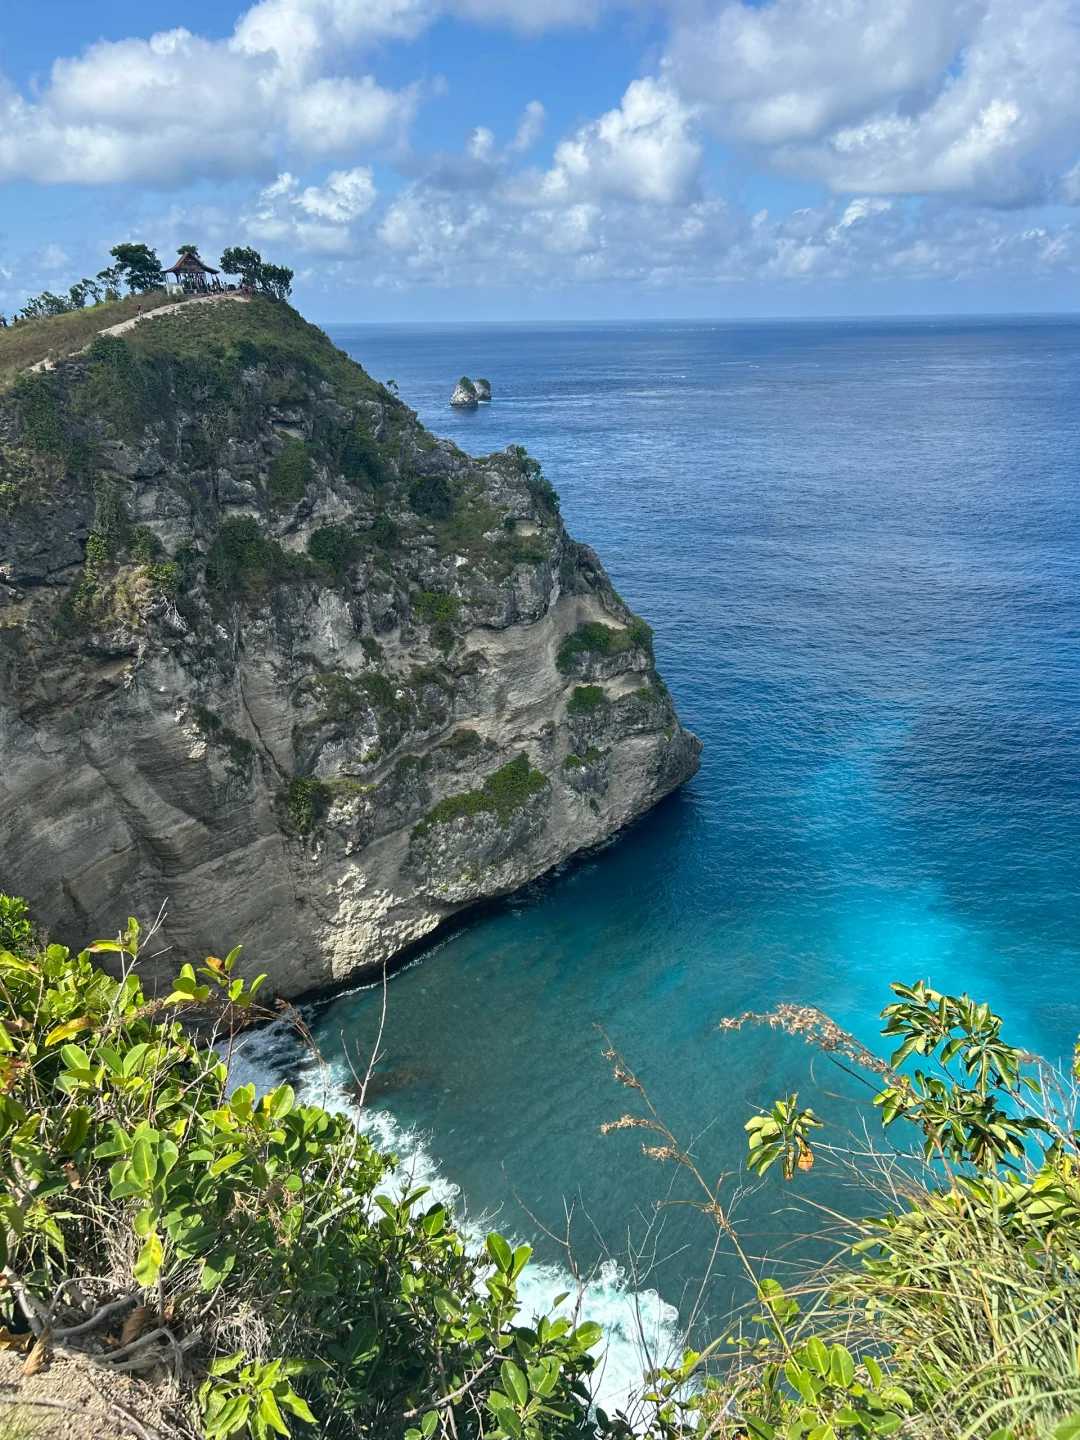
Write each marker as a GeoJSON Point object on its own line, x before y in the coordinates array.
{"type": "Point", "coordinates": [506, 791]}
{"type": "Point", "coordinates": [244, 561]}
{"type": "Point", "coordinates": [306, 802]}
{"type": "Point", "coordinates": [585, 699]}
{"type": "Point", "coordinates": [594, 638]}
{"type": "Point", "coordinates": [290, 472]}
{"type": "Point", "coordinates": [334, 548]}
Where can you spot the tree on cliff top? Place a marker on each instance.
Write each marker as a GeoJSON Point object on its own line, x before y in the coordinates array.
{"type": "Point", "coordinates": [138, 266]}
{"type": "Point", "coordinates": [257, 273]}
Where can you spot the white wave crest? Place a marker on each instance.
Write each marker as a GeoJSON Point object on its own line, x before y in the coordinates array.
{"type": "Point", "coordinates": [641, 1330]}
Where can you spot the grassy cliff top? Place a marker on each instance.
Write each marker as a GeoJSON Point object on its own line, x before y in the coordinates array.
{"type": "Point", "coordinates": [224, 328]}
{"type": "Point", "coordinates": [30, 341]}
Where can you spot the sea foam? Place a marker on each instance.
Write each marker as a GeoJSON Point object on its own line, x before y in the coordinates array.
{"type": "Point", "coordinates": [641, 1330]}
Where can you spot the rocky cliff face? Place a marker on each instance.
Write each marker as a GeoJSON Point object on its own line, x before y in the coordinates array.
{"type": "Point", "coordinates": [273, 655]}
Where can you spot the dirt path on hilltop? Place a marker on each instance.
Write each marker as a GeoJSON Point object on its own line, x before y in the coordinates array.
{"type": "Point", "coordinates": [125, 325]}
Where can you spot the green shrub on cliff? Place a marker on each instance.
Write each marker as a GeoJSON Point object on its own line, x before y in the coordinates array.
{"type": "Point", "coordinates": [596, 638]}
{"type": "Point", "coordinates": [360, 458]}
{"type": "Point", "coordinates": [541, 489]}
{"type": "Point", "coordinates": [585, 700]}
{"type": "Point", "coordinates": [253, 1247]}
{"type": "Point", "coordinates": [439, 611]}
{"type": "Point", "coordinates": [334, 548]}
{"type": "Point", "coordinates": [503, 793]}
{"type": "Point", "coordinates": [290, 474]}
{"type": "Point", "coordinates": [243, 561]}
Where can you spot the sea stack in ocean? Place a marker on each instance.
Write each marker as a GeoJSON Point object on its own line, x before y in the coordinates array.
{"type": "Point", "coordinates": [316, 677]}
{"type": "Point", "coordinates": [470, 393]}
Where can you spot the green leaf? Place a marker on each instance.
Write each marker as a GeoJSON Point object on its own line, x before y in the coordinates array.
{"type": "Point", "coordinates": [759, 1429]}
{"type": "Point", "coordinates": [588, 1334]}
{"type": "Point", "coordinates": [268, 1409]}
{"type": "Point", "coordinates": [75, 1057]}
{"type": "Point", "coordinates": [148, 1266]}
{"type": "Point", "coordinates": [817, 1354]}
{"type": "Point", "coordinates": [226, 1365]}
{"type": "Point", "coordinates": [227, 1161]}
{"type": "Point", "coordinates": [280, 1102]}
{"type": "Point", "coordinates": [842, 1366]}
{"type": "Point", "coordinates": [500, 1252]}
{"type": "Point", "coordinates": [297, 1404]}
{"type": "Point", "coordinates": [428, 1424]}
{"type": "Point", "coordinates": [1069, 1429]}
{"type": "Point", "coordinates": [514, 1382]}
{"type": "Point", "coordinates": [216, 1267]}
{"type": "Point", "coordinates": [521, 1259]}
{"type": "Point", "coordinates": [143, 1161]}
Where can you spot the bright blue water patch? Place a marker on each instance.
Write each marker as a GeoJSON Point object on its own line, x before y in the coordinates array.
{"type": "Point", "coordinates": [859, 545]}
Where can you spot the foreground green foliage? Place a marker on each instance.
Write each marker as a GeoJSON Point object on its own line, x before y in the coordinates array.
{"type": "Point", "coordinates": [273, 1268]}
{"type": "Point", "coordinates": [281, 1282]}
{"type": "Point", "coordinates": [953, 1312]}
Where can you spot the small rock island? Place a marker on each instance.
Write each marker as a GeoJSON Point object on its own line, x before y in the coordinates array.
{"type": "Point", "coordinates": [468, 394]}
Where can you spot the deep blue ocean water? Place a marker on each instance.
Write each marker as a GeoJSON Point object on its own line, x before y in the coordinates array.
{"type": "Point", "coordinates": [859, 546]}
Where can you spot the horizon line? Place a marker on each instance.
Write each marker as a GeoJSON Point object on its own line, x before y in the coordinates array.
{"type": "Point", "coordinates": [720, 319]}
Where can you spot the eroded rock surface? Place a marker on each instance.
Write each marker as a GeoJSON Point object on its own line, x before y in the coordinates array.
{"type": "Point", "coordinates": [274, 655]}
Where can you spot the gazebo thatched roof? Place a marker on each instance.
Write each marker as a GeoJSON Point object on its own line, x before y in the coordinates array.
{"type": "Point", "coordinates": [189, 264]}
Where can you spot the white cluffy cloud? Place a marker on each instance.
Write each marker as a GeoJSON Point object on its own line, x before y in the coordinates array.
{"type": "Point", "coordinates": [178, 106]}
{"type": "Point", "coordinates": [313, 218]}
{"type": "Point", "coordinates": [972, 98]}
{"type": "Point", "coordinates": [644, 149]}
{"type": "Point", "coordinates": [500, 239]}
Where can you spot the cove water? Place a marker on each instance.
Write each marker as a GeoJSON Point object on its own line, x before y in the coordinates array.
{"type": "Point", "coordinates": [859, 546]}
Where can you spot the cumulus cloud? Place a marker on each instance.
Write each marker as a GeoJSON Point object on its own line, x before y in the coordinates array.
{"type": "Point", "coordinates": [644, 149]}
{"type": "Point", "coordinates": [302, 34]}
{"type": "Point", "coordinates": [427, 237]}
{"type": "Point", "coordinates": [974, 98]}
{"type": "Point", "coordinates": [531, 15]}
{"type": "Point", "coordinates": [335, 115]}
{"type": "Point", "coordinates": [177, 107]}
{"type": "Point", "coordinates": [313, 218]}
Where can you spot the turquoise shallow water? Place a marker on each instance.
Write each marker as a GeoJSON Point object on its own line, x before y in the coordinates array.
{"type": "Point", "coordinates": [859, 545]}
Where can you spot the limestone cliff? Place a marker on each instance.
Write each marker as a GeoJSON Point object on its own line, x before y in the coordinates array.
{"type": "Point", "coordinates": [273, 654]}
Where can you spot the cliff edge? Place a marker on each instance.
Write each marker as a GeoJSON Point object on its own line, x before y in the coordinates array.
{"type": "Point", "coordinates": [273, 654]}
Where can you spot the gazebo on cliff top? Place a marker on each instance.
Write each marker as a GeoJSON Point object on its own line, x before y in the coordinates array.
{"type": "Point", "coordinates": [190, 273]}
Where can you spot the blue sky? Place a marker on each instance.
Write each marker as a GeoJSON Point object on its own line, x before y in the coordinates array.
{"type": "Point", "coordinates": [506, 159]}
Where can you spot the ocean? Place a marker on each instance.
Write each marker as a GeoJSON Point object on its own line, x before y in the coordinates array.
{"type": "Point", "coordinates": [858, 543]}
